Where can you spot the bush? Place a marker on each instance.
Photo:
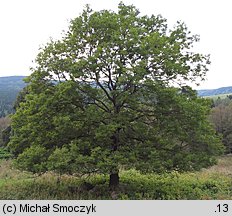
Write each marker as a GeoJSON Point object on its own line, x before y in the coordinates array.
{"type": "Point", "coordinates": [4, 154]}
{"type": "Point", "coordinates": [134, 185]}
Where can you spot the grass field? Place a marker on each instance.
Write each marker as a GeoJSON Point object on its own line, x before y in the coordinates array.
{"type": "Point", "coordinates": [215, 97]}
{"type": "Point", "coordinates": [212, 183]}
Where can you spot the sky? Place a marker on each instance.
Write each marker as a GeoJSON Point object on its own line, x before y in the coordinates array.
{"type": "Point", "coordinates": [27, 25]}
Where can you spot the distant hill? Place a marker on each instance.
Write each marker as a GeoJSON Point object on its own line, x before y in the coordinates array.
{"type": "Point", "coordinates": [12, 85]}
{"type": "Point", "coordinates": [213, 92]}
{"type": "Point", "coordinates": [9, 89]}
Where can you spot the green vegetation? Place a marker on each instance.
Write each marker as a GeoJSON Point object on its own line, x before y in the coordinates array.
{"type": "Point", "coordinates": [4, 130]}
{"type": "Point", "coordinates": [213, 183]}
{"type": "Point", "coordinates": [5, 154]}
{"type": "Point", "coordinates": [221, 118]}
{"type": "Point", "coordinates": [100, 117]}
{"type": "Point", "coordinates": [102, 99]}
{"type": "Point", "coordinates": [216, 97]}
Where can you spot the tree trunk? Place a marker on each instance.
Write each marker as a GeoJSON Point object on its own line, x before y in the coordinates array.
{"type": "Point", "coordinates": [114, 180]}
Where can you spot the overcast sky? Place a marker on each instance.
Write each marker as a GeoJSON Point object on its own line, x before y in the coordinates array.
{"type": "Point", "coordinates": [25, 25]}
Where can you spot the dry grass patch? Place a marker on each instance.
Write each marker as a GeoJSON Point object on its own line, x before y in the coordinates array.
{"type": "Point", "coordinates": [8, 172]}
{"type": "Point", "coordinates": [224, 166]}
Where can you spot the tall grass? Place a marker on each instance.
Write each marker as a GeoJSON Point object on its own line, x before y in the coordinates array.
{"type": "Point", "coordinates": [207, 184]}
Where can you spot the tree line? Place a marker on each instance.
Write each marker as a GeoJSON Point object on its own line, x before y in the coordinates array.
{"type": "Point", "coordinates": [9, 89]}
{"type": "Point", "coordinates": [221, 118]}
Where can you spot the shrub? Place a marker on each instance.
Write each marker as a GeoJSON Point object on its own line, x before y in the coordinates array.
{"type": "Point", "coordinates": [4, 153]}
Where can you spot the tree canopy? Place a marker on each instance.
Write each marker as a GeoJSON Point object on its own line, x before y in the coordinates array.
{"type": "Point", "coordinates": [102, 99]}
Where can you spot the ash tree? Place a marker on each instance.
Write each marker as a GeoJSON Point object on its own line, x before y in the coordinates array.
{"type": "Point", "coordinates": [102, 99]}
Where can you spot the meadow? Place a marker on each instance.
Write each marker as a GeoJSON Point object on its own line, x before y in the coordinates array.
{"type": "Point", "coordinates": [213, 183]}
{"type": "Point", "coordinates": [215, 97]}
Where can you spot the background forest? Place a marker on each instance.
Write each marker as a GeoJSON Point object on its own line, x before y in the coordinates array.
{"type": "Point", "coordinates": [9, 89]}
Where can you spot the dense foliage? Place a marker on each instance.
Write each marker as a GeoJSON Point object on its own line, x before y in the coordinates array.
{"type": "Point", "coordinates": [101, 99]}
{"type": "Point", "coordinates": [4, 128]}
{"type": "Point", "coordinates": [134, 186]}
{"type": "Point", "coordinates": [221, 117]}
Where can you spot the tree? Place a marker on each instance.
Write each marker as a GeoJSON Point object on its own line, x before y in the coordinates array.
{"type": "Point", "coordinates": [102, 99]}
{"type": "Point", "coordinates": [221, 117]}
{"type": "Point", "coordinates": [4, 127]}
